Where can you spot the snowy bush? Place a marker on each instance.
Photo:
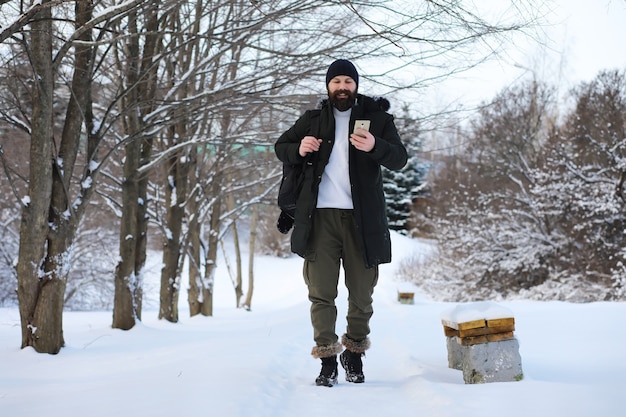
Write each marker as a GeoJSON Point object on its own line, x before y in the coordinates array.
{"type": "Point", "coordinates": [8, 251]}
{"type": "Point", "coordinates": [535, 210]}
{"type": "Point", "coordinates": [90, 284]}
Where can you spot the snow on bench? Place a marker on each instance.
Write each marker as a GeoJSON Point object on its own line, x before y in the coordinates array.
{"type": "Point", "coordinates": [479, 322]}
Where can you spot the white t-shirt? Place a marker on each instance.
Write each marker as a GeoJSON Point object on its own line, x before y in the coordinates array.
{"type": "Point", "coordinates": [335, 190]}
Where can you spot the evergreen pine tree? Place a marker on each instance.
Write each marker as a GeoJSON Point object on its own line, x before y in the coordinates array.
{"type": "Point", "coordinates": [402, 187]}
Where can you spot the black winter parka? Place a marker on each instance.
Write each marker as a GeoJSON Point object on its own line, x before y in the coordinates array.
{"type": "Point", "coordinates": [365, 174]}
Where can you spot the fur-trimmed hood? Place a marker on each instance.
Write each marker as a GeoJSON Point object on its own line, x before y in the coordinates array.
{"type": "Point", "coordinates": [370, 104]}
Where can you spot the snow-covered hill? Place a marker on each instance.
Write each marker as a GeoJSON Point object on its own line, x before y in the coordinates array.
{"type": "Point", "coordinates": [254, 364]}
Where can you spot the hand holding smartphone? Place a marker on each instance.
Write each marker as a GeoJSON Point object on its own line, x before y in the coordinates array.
{"type": "Point", "coordinates": [360, 140]}
{"type": "Point", "coordinates": [361, 124]}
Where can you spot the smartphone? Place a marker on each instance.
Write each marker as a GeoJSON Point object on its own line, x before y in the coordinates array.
{"type": "Point", "coordinates": [361, 124]}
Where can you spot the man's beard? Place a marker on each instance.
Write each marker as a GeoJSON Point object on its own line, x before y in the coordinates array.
{"type": "Point", "coordinates": [342, 104]}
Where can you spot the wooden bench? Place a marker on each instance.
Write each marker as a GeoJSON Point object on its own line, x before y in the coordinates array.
{"type": "Point", "coordinates": [480, 341]}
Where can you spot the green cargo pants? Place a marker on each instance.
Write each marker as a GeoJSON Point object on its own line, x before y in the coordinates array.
{"type": "Point", "coordinates": [334, 240]}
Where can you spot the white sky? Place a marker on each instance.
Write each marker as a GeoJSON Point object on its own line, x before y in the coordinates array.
{"type": "Point", "coordinates": [592, 35]}
{"type": "Point", "coordinates": [586, 36]}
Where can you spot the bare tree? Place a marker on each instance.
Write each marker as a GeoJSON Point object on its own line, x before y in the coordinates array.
{"type": "Point", "coordinates": [41, 280]}
{"type": "Point", "coordinates": [64, 158]}
{"type": "Point", "coordinates": [137, 60]}
{"type": "Point", "coordinates": [492, 233]}
{"type": "Point", "coordinates": [53, 159]}
{"type": "Point", "coordinates": [122, 95]}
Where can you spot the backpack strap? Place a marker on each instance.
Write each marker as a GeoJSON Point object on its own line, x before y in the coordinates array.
{"type": "Point", "coordinates": [291, 183]}
{"type": "Point", "coordinates": [315, 122]}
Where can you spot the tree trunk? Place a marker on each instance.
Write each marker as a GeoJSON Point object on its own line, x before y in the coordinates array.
{"type": "Point", "coordinates": [40, 321]}
{"type": "Point", "coordinates": [140, 79]}
{"type": "Point", "coordinates": [177, 178]}
{"type": "Point", "coordinates": [237, 280]}
{"type": "Point", "coordinates": [211, 251]}
{"type": "Point", "coordinates": [195, 293]}
{"type": "Point", "coordinates": [254, 221]}
{"type": "Point", "coordinates": [125, 312]}
{"type": "Point", "coordinates": [63, 218]}
{"type": "Point", "coordinates": [175, 197]}
{"type": "Point", "coordinates": [238, 268]}
{"type": "Point", "coordinates": [133, 239]}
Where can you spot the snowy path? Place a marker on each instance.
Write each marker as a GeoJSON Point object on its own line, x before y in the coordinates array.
{"type": "Point", "coordinates": [257, 364]}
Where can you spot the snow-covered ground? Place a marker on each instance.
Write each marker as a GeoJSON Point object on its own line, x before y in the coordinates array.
{"type": "Point", "coordinates": [257, 363]}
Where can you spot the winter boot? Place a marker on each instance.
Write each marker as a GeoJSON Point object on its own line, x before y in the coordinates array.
{"type": "Point", "coordinates": [353, 365]}
{"type": "Point", "coordinates": [328, 374]}
{"type": "Point", "coordinates": [351, 358]}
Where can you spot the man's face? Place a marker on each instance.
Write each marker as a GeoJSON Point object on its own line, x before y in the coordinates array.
{"type": "Point", "coordinates": [342, 92]}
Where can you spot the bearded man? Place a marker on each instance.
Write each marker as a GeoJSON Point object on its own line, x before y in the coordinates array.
{"type": "Point", "coordinates": [340, 217]}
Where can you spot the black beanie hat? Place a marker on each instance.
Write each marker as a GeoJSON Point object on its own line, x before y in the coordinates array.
{"type": "Point", "coordinates": [342, 67]}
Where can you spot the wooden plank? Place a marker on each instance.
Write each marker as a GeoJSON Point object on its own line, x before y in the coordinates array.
{"type": "Point", "coordinates": [450, 332]}
{"type": "Point", "coordinates": [477, 340]}
{"type": "Point", "coordinates": [499, 336]}
{"type": "Point", "coordinates": [472, 340]}
{"type": "Point", "coordinates": [465, 325]}
{"type": "Point", "coordinates": [486, 330]}
{"type": "Point", "coordinates": [509, 321]}
{"type": "Point", "coordinates": [474, 324]}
